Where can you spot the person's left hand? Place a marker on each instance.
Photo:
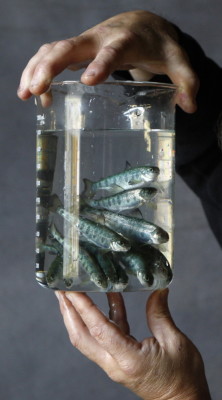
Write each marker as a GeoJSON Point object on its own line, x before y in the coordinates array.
{"type": "Point", "coordinates": [164, 367]}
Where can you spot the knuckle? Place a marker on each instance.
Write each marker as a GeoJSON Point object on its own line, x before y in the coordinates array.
{"type": "Point", "coordinates": [44, 67]}
{"type": "Point", "coordinates": [111, 51]}
{"type": "Point", "coordinates": [98, 332]}
{"type": "Point", "coordinates": [131, 369]}
{"type": "Point", "coordinates": [75, 339]}
{"type": "Point", "coordinates": [116, 375]}
{"type": "Point", "coordinates": [128, 36]}
{"type": "Point", "coordinates": [65, 44]}
{"type": "Point", "coordinates": [46, 47]}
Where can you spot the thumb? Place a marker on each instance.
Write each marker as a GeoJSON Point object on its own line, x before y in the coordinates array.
{"type": "Point", "coordinates": [159, 318]}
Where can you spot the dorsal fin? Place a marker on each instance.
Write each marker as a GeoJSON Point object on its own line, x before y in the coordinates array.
{"type": "Point", "coordinates": [128, 166]}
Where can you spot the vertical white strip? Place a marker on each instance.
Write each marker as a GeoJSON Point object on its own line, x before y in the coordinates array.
{"type": "Point", "coordinates": [73, 125]}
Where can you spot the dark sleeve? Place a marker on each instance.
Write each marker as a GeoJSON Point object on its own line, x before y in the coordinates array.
{"type": "Point", "coordinates": [198, 156]}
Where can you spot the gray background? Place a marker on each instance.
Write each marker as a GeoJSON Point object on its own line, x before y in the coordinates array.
{"type": "Point", "coordinates": [36, 359]}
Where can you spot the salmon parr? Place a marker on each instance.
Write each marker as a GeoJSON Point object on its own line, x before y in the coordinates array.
{"type": "Point", "coordinates": [101, 236]}
{"type": "Point", "coordinates": [149, 265]}
{"type": "Point", "coordinates": [127, 200]}
{"type": "Point", "coordinates": [97, 234]}
{"type": "Point", "coordinates": [131, 178]}
{"type": "Point", "coordinates": [135, 229]}
{"type": "Point", "coordinates": [92, 268]}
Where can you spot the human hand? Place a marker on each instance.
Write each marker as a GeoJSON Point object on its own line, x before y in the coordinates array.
{"type": "Point", "coordinates": [139, 41]}
{"type": "Point", "coordinates": [166, 366]}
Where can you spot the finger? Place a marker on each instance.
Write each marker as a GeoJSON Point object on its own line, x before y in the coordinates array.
{"type": "Point", "coordinates": [108, 335]}
{"type": "Point", "coordinates": [159, 318]}
{"type": "Point", "coordinates": [23, 90]}
{"type": "Point", "coordinates": [43, 68]}
{"type": "Point", "coordinates": [78, 332]}
{"type": "Point", "coordinates": [108, 59]}
{"type": "Point", "coordinates": [117, 311]}
{"type": "Point", "coordinates": [181, 74]}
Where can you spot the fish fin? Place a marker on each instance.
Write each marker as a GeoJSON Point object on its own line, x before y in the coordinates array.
{"type": "Point", "coordinates": [128, 166]}
{"type": "Point", "coordinates": [135, 182]}
{"type": "Point", "coordinates": [115, 189]}
{"type": "Point", "coordinates": [136, 213]}
{"type": "Point", "coordinates": [87, 192]}
{"type": "Point", "coordinates": [161, 247]}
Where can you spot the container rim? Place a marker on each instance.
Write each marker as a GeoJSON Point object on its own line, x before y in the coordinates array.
{"type": "Point", "coordinates": [120, 82]}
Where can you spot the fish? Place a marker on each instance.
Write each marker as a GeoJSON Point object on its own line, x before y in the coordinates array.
{"type": "Point", "coordinates": [87, 262]}
{"type": "Point", "coordinates": [116, 280]}
{"type": "Point", "coordinates": [131, 178]}
{"type": "Point", "coordinates": [92, 268]}
{"type": "Point", "coordinates": [149, 265]}
{"type": "Point", "coordinates": [97, 234]}
{"type": "Point", "coordinates": [137, 230]}
{"type": "Point", "coordinates": [123, 279]}
{"type": "Point", "coordinates": [127, 200]}
{"type": "Point", "coordinates": [102, 236]}
{"type": "Point", "coordinates": [55, 271]}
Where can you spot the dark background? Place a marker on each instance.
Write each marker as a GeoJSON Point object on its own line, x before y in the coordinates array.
{"type": "Point", "coordinates": [37, 360]}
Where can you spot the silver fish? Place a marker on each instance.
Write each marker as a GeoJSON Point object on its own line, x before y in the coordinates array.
{"type": "Point", "coordinates": [131, 178]}
{"type": "Point", "coordinates": [95, 233]}
{"type": "Point", "coordinates": [104, 261]}
{"type": "Point", "coordinates": [123, 279]}
{"type": "Point", "coordinates": [149, 265]}
{"type": "Point", "coordinates": [116, 280]}
{"type": "Point", "coordinates": [135, 229]}
{"type": "Point", "coordinates": [127, 200]}
{"type": "Point", "coordinates": [55, 270]}
{"type": "Point", "coordinates": [102, 236]}
{"type": "Point", "coordinates": [92, 268]}
{"type": "Point", "coordinates": [87, 262]}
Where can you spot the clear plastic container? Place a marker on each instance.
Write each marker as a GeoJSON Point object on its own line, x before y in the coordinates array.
{"type": "Point", "coordinates": [105, 184]}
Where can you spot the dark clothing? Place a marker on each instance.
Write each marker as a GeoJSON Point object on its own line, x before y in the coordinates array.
{"type": "Point", "coordinates": [198, 156]}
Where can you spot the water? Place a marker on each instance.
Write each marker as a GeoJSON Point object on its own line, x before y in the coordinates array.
{"type": "Point", "coordinates": [64, 163]}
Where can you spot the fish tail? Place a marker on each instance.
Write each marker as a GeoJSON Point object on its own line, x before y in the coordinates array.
{"type": "Point", "coordinates": [88, 191]}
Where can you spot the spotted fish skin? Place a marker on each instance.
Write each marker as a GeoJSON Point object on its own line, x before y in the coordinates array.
{"type": "Point", "coordinates": [117, 279]}
{"type": "Point", "coordinates": [149, 265]}
{"type": "Point", "coordinates": [135, 229]}
{"type": "Point", "coordinates": [136, 264]}
{"type": "Point", "coordinates": [97, 234]}
{"type": "Point", "coordinates": [92, 268]}
{"type": "Point", "coordinates": [131, 178]}
{"type": "Point", "coordinates": [127, 200]}
{"type": "Point", "coordinates": [103, 260]}
{"type": "Point", "coordinates": [104, 238]}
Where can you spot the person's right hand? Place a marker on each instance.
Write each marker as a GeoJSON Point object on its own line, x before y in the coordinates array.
{"type": "Point", "coordinates": [139, 41]}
